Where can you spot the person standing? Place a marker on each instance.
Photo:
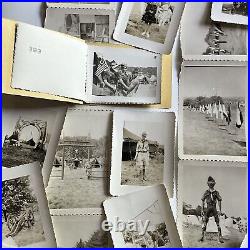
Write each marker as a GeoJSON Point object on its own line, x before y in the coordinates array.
{"type": "Point", "coordinates": [211, 197]}
{"type": "Point", "coordinates": [142, 156]}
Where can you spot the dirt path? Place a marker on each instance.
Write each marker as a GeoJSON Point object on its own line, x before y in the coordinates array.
{"type": "Point", "coordinates": [192, 234]}
{"type": "Point", "coordinates": [76, 191]}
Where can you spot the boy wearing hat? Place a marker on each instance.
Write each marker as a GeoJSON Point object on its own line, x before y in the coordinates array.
{"type": "Point", "coordinates": [211, 197]}
{"type": "Point", "coordinates": [142, 156]}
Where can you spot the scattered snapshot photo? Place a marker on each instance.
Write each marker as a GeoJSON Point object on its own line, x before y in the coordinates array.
{"type": "Point", "coordinates": [142, 150]}
{"type": "Point", "coordinates": [146, 219]}
{"type": "Point", "coordinates": [150, 20]}
{"type": "Point", "coordinates": [149, 25]}
{"type": "Point", "coordinates": [30, 131]}
{"type": "Point", "coordinates": [25, 215]}
{"type": "Point", "coordinates": [81, 169]}
{"type": "Point", "coordinates": [26, 136]}
{"type": "Point", "coordinates": [82, 5]}
{"type": "Point", "coordinates": [221, 39]}
{"type": "Point", "coordinates": [214, 40]}
{"type": "Point", "coordinates": [208, 215]}
{"type": "Point", "coordinates": [80, 230]}
{"type": "Point", "coordinates": [21, 216]}
{"type": "Point", "coordinates": [124, 74]}
{"type": "Point", "coordinates": [156, 234]}
{"type": "Point", "coordinates": [212, 114]}
{"type": "Point", "coordinates": [90, 25]}
{"type": "Point", "coordinates": [142, 153]}
{"type": "Point", "coordinates": [230, 12]}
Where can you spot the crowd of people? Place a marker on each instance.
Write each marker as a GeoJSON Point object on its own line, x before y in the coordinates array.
{"type": "Point", "coordinates": [118, 79]}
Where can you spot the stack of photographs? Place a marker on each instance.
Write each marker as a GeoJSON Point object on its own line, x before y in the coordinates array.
{"type": "Point", "coordinates": [212, 141]}
{"type": "Point", "coordinates": [92, 176]}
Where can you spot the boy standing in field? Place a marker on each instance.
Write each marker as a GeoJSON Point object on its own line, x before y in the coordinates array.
{"type": "Point", "coordinates": [142, 156]}
{"type": "Point", "coordinates": [211, 197]}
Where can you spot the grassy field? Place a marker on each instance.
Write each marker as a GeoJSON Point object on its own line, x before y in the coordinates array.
{"type": "Point", "coordinates": [130, 173]}
{"type": "Point", "coordinates": [157, 33]}
{"type": "Point", "coordinates": [27, 236]}
{"type": "Point", "coordinates": [192, 234]}
{"type": "Point", "coordinates": [205, 136]}
{"type": "Point", "coordinates": [15, 156]}
{"type": "Point", "coordinates": [75, 190]}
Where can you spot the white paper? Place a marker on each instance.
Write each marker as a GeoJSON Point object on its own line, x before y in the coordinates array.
{"type": "Point", "coordinates": [49, 62]}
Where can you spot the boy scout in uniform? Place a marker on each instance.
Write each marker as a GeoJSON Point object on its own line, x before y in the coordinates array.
{"type": "Point", "coordinates": [211, 196]}
{"type": "Point", "coordinates": [142, 156]}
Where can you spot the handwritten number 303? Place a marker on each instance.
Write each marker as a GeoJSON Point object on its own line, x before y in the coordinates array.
{"type": "Point", "coordinates": [35, 50]}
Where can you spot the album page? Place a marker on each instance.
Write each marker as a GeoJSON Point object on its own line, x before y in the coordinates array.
{"type": "Point", "coordinates": [123, 75]}
{"type": "Point", "coordinates": [26, 221]}
{"type": "Point", "coordinates": [48, 62]}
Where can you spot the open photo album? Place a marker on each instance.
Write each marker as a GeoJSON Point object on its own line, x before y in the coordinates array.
{"type": "Point", "coordinates": [87, 73]}
{"type": "Point", "coordinates": [125, 125]}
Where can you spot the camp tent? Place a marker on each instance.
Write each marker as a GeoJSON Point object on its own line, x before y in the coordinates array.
{"type": "Point", "coordinates": [129, 146]}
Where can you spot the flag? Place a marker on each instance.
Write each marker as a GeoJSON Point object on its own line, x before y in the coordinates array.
{"type": "Point", "coordinates": [239, 117]}
{"type": "Point", "coordinates": [215, 111]}
{"type": "Point", "coordinates": [221, 111]}
{"type": "Point", "coordinates": [210, 110]}
{"type": "Point", "coordinates": [102, 66]}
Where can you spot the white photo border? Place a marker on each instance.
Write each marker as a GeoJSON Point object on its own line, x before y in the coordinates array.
{"type": "Point", "coordinates": [181, 153]}
{"type": "Point", "coordinates": [218, 16]}
{"type": "Point", "coordinates": [33, 171]}
{"type": "Point", "coordinates": [122, 99]}
{"type": "Point", "coordinates": [94, 5]}
{"type": "Point", "coordinates": [121, 36]}
{"type": "Point", "coordinates": [168, 120]}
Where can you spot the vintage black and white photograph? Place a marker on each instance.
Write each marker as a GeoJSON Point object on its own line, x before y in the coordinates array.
{"type": "Point", "coordinates": [142, 153]}
{"type": "Point", "coordinates": [87, 24]}
{"type": "Point", "coordinates": [230, 12]}
{"type": "Point", "coordinates": [21, 221]}
{"type": "Point", "coordinates": [215, 40]}
{"type": "Point", "coordinates": [146, 219]}
{"type": "Point", "coordinates": [156, 234]}
{"type": "Point", "coordinates": [142, 150]}
{"type": "Point", "coordinates": [149, 25]}
{"type": "Point", "coordinates": [235, 8]}
{"type": "Point", "coordinates": [125, 74]}
{"type": "Point", "coordinates": [150, 20]}
{"type": "Point", "coordinates": [80, 231]}
{"type": "Point", "coordinates": [212, 112]}
{"type": "Point", "coordinates": [80, 174]}
{"type": "Point", "coordinates": [26, 135]}
{"type": "Point", "coordinates": [89, 5]}
{"type": "Point", "coordinates": [209, 216]}
{"type": "Point", "coordinates": [225, 39]}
